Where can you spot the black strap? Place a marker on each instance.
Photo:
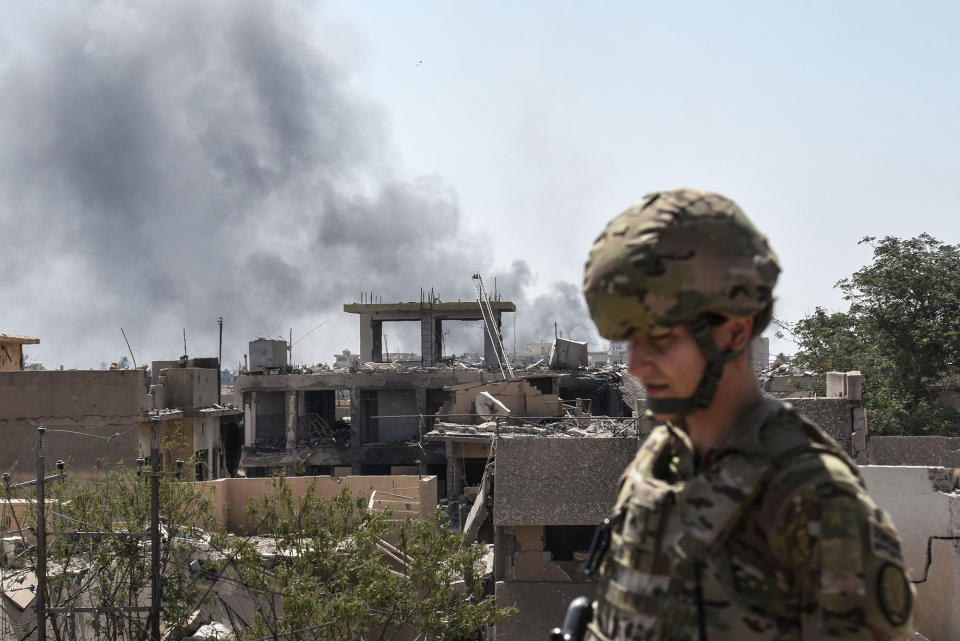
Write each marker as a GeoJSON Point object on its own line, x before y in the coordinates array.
{"type": "Point", "coordinates": [701, 610]}
{"type": "Point", "coordinates": [598, 548]}
{"type": "Point", "coordinates": [707, 387]}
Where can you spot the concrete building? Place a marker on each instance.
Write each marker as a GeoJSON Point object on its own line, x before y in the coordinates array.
{"type": "Point", "coordinates": [370, 418]}
{"type": "Point", "coordinates": [11, 351]}
{"type": "Point", "coordinates": [345, 360]}
{"type": "Point", "coordinates": [614, 354]}
{"type": "Point", "coordinates": [98, 416]}
{"type": "Point", "coordinates": [760, 353]}
{"type": "Point", "coordinates": [291, 420]}
{"type": "Point", "coordinates": [187, 410]}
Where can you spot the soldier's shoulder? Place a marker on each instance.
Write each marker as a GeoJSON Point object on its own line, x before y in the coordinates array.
{"type": "Point", "coordinates": [803, 455]}
{"type": "Point", "coordinates": [805, 465]}
{"type": "Point", "coordinates": [658, 438]}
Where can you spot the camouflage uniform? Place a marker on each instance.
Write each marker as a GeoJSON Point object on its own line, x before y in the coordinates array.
{"type": "Point", "coordinates": [774, 538]}
{"type": "Point", "coordinates": [771, 535]}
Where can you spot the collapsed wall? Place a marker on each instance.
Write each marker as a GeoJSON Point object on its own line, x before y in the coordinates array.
{"type": "Point", "coordinates": [926, 510]}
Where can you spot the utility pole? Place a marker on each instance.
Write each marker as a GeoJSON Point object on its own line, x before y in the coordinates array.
{"type": "Point", "coordinates": [41, 542]}
{"type": "Point", "coordinates": [219, 359]}
{"type": "Point", "coordinates": [42, 607]}
{"type": "Point", "coordinates": [41, 530]}
{"type": "Point", "coordinates": [154, 529]}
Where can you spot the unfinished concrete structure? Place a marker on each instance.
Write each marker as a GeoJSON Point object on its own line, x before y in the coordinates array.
{"type": "Point", "coordinates": [370, 417]}
{"type": "Point", "coordinates": [431, 315]}
{"type": "Point", "coordinates": [292, 421]}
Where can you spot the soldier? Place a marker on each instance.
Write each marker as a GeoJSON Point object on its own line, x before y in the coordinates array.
{"type": "Point", "coordinates": [738, 518]}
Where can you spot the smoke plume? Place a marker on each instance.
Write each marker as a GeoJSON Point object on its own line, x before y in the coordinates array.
{"type": "Point", "coordinates": [166, 163]}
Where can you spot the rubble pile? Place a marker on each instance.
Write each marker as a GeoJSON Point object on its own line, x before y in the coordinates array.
{"type": "Point", "coordinates": [270, 444]}
{"type": "Point", "coordinates": [787, 379]}
{"type": "Point", "coordinates": [784, 368]}
{"type": "Point", "coordinates": [569, 426]}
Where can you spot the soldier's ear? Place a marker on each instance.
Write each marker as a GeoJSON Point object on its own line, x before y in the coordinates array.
{"type": "Point", "coordinates": [735, 334]}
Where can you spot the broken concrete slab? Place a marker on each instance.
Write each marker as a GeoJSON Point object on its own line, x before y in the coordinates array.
{"type": "Point", "coordinates": [479, 512]}
{"type": "Point", "coordinates": [567, 354]}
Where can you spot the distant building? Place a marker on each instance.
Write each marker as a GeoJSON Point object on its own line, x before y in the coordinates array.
{"type": "Point", "coordinates": [760, 353]}
{"type": "Point", "coordinates": [119, 406]}
{"type": "Point", "coordinates": [615, 354]}
{"type": "Point", "coordinates": [534, 352]}
{"type": "Point", "coordinates": [346, 360]}
{"type": "Point", "coordinates": [11, 351]}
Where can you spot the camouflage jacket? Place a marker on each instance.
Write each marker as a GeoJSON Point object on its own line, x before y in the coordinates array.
{"type": "Point", "coordinates": [775, 538]}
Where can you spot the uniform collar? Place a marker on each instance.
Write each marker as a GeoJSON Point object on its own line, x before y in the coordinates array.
{"type": "Point", "coordinates": [745, 439]}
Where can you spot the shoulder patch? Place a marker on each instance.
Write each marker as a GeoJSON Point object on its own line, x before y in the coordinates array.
{"type": "Point", "coordinates": [893, 592]}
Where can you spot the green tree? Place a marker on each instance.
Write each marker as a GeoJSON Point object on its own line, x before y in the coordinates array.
{"type": "Point", "coordinates": [902, 331]}
{"type": "Point", "coordinates": [317, 569]}
{"type": "Point", "coordinates": [112, 569]}
{"type": "Point", "coordinates": [334, 575]}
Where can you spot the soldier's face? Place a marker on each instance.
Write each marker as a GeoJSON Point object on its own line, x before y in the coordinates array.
{"type": "Point", "coordinates": [667, 362]}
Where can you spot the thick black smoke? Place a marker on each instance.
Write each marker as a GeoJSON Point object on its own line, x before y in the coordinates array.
{"type": "Point", "coordinates": [165, 163]}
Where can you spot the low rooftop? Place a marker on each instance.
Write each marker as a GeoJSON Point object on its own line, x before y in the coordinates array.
{"type": "Point", "coordinates": [14, 338]}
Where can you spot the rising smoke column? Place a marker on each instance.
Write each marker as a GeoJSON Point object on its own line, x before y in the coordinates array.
{"type": "Point", "coordinates": [163, 163]}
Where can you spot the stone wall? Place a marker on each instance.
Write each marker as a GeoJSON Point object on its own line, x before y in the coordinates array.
{"type": "Point", "coordinates": [559, 481]}
{"type": "Point", "coordinates": [231, 496]}
{"type": "Point", "coordinates": [941, 451]}
{"type": "Point", "coordinates": [833, 415]}
{"type": "Point", "coordinates": [540, 606]}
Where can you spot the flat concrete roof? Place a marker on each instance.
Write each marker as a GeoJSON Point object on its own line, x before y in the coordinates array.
{"type": "Point", "coordinates": [13, 338]}
{"type": "Point", "coordinates": [460, 310]}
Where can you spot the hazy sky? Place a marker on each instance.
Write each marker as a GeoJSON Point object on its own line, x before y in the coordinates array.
{"type": "Point", "coordinates": [164, 163]}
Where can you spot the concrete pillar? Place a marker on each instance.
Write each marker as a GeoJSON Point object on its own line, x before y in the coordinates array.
{"type": "Point", "coordinates": [422, 426]}
{"type": "Point", "coordinates": [291, 415]}
{"type": "Point", "coordinates": [428, 348]}
{"type": "Point", "coordinates": [451, 466]}
{"type": "Point", "coordinates": [371, 339]}
{"type": "Point", "coordinates": [836, 385]}
{"type": "Point", "coordinates": [854, 386]}
{"type": "Point", "coordinates": [489, 353]}
{"type": "Point", "coordinates": [250, 419]}
{"type": "Point", "coordinates": [357, 417]}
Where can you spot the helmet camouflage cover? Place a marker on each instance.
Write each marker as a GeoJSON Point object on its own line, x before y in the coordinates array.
{"type": "Point", "coordinates": [672, 258]}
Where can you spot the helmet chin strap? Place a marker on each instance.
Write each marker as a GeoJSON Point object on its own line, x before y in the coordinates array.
{"type": "Point", "coordinates": [707, 388]}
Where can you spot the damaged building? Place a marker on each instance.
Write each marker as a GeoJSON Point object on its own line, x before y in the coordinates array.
{"type": "Point", "coordinates": [371, 417]}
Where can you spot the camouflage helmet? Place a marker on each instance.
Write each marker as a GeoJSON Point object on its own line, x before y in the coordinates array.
{"type": "Point", "coordinates": [672, 258]}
